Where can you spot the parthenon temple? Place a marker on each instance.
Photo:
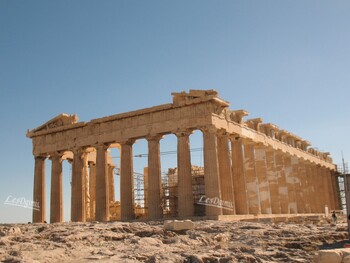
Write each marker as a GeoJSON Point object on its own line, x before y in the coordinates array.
{"type": "Point", "coordinates": [250, 167]}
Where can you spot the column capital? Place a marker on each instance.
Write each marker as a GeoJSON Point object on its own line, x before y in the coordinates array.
{"type": "Point", "coordinates": [56, 155]}
{"type": "Point", "coordinates": [154, 137]}
{"type": "Point", "coordinates": [104, 146]}
{"type": "Point", "coordinates": [209, 129]}
{"type": "Point", "coordinates": [127, 142]}
{"type": "Point", "coordinates": [222, 133]}
{"type": "Point", "coordinates": [234, 137]}
{"type": "Point", "coordinates": [40, 157]}
{"type": "Point", "coordinates": [182, 133]}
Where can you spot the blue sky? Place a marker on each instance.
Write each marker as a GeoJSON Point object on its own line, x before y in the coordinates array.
{"type": "Point", "coordinates": [285, 61]}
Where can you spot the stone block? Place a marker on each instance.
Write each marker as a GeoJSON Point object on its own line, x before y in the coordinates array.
{"type": "Point", "coordinates": [329, 256]}
{"type": "Point", "coordinates": [178, 225]}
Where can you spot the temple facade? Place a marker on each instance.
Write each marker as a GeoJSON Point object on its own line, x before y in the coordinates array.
{"type": "Point", "coordinates": [250, 167]}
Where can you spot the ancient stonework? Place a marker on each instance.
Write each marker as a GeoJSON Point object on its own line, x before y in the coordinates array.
{"type": "Point", "coordinates": [254, 167]}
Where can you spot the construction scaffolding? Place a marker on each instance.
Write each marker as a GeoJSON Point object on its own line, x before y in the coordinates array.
{"type": "Point", "coordinates": [343, 173]}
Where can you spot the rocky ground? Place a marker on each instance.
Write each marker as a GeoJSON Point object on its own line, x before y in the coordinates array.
{"type": "Point", "coordinates": [210, 241]}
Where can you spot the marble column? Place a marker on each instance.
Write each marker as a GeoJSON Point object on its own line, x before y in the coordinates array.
{"type": "Point", "coordinates": [92, 190]}
{"type": "Point", "coordinates": [318, 191]}
{"type": "Point", "coordinates": [263, 182]}
{"type": "Point", "coordinates": [102, 189]}
{"type": "Point", "coordinates": [305, 188]}
{"type": "Point", "coordinates": [335, 187]}
{"type": "Point", "coordinates": [185, 193]}
{"type": "Point", "coordinates": [225, 173]}
{"type": "Point", "coordinates": [56, 202]}
{"type": "Point", "coordinates": [111, 183]}
{"type": "Point", "coordinates": [327, 189]}
{"type": "Point", "coordinates": [332, 194]}
{"type": "Point", "coordinates": [273, 180]}
{"type": "Point", "coordinates": [251, 178]}
{"type": "Point", "coordinates": [312, 187]}
{"type": "Point", "coordinates": [238, 177]}
{"type": "Point", "coordinates": [211, 170]}
{"type": "Point", "coordinates": [127, 181]}
{"type": "Point", "coordinates": [78, 213]}
{"type": "Point", "coordinates": [290, 180]}
{"type": "Point", "coordinates": [282, 184]}
{"type": "Point", "coordinates": [154, 205]}
{"type": "Point", "coordinates": [299, 196]}
{"type": "Point", "coordinates": [39, 213]}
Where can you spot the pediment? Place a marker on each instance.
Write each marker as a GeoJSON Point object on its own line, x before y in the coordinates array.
{"type": "Point", "coordinates": [59, 121]}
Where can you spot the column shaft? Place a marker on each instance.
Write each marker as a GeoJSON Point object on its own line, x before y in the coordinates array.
{"type": "Point", "coordinates": [263, 182]}
{"type": "Point", "coordinates": [102, 190]}
{"type": "Point", "coordinates": [251, 179]}
{"type": "Point", "coordinates": [299, 195]}
{"type": "Point", "coordinates": [185, 193]}
{"type": "Point", "coordinates": [155, 209]}
{"type": "Point", "coordinates": [225, 174]}
{"type": "Point", "coordinates": [39, 214]}
{"type": "Point", "coordinates": [56, 202]}
{"type": "Point", "coordinates": [92, 190]}
{"type": "Point", "coordinates": [78, 213]}
{"type": "Point", "coordinates": [273, 181]}
{"type": "Point", "coordinates": [288, 171]}
{"type": "Point", "coordinates": [127, 182]}
{"type": "Point", "coordinates": [282, 184]}
{"type": "Point", "coordinates": [111, 183]}
{"type": "Point", "coordinates": [211, 171]}
{"type": "Point", "coordinates": [238, 177]}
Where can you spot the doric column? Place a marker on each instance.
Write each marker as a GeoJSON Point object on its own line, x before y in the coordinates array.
{"type": "Point", "coordinates": [211, 170]}
{"type": "Point", "coordinates": [56, 202]}
{"type": "Point", "coordinates": [184, 171]}
{"type": "Point", "coordinates": [111, 183]}
{"type": "Point", "coordinates": [225, 173]}
{"type": "Point", "coordinates": [288, 172]}
{"type": "Point", "coordinates": [251, 178]}
{"type": "Point", "coordinates": [263, 182]}
{"type": "Point", "coordinates": [321, 189]}
{"type": "Point", "coordinates": [335, 187]}
{"type": "Point", "coordinates": [238, 177]}
{"type": "Point", "coordinates": [297, 186]}
{"type": "Point", "coordinates": [92, 189]}
{"type": "Point", "coordinates": [273, 180]}
{"type": "Point", "coordinates": [312, 187]}
{"type": "Point", "coordinates": [39, 215]}
{"type": "Point", "coordinates": [282, 184]}
{"type": "Point", "coordinates": [327, 189]}
{"type": "Point", "coordinates": [332, 194]}
{"type": "Point", "coordinates": [78, 213]}
{"type": "Point", "coordinates": [154, 205]}
{"type": "Point", "coordinates": [318, 191]}
{"type": "Point", "coordinates": [305, 188]}
{"type": "Point", "coordinates": [102, 190]}
{"type": "Point", "coordinates": [127, 181]}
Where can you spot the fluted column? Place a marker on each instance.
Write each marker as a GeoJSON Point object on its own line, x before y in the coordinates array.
{"type": "Point", "coordinates": [311, 177]}
{"type": "Point", "coordinates": [211, 170]}
{"type": "Point", "coordinates": [318, 191]}
{"type": "Point", "coordinates": [127, 181]}
{"type": "Point", "coordinates": [39, 214]}
{"type": "Point", "coordinates": [263, 182]}
{"type": "Point", "coordinates": [185, 193]}
{"type": "Point", "coordinates": [238, 177]}
{"type": "Point", "coordinates": [332, 194]}
{"type": "Point", "coordinates": [225, 173]}
{"type": "Point", "coordinates": [78, 213]}
{"type": "Point", "coordinates": [299, 194]}
{"type": "Point", "coordinates": [111, 183]}
{"type": "Point", "coordinates": [251, 178]}
{"type": "Point", "coordinates": [273, 180]}
{"type": "Point", "coordinates": [335, 187]}
{"type": "Point", "coordinates": [327, 189]}
{"type": "Point", "coordinates": [304, 186]}
{"type": "Point", "coordinates": [288, 172]}
{"type": "Point", "coordinates": [102, 189]}
{"type": "Point", "coordinates": [56, 202]}
{"type": "Point", "coordinates": [92, 190]}
{"type": "Point", "coordinates": [282, 184]}
{"type": "Point", "coordinates": [154, 205]}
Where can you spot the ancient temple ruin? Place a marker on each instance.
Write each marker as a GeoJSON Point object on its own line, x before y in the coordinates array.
{"type": "Point", "coordinates": [250, 167]}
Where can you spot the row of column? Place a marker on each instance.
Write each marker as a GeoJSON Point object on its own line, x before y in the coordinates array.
{"type": "Point", "coordinates": [255, 178]}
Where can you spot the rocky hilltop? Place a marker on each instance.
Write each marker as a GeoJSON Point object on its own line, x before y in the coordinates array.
{"type": "Point", "coordinates": [209, 241]}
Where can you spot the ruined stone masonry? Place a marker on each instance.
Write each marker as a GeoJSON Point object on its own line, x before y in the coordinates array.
{"type": "Point", "coordinates": [254, 167]}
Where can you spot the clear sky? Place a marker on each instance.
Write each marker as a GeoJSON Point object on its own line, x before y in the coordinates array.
{"type": "Point", "coordinates": [287, 62]}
